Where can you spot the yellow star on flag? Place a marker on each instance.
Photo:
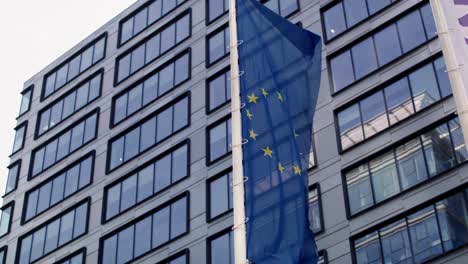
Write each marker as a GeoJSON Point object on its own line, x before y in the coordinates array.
{"type": "Point", "coordinates": [280, 96]}
{"type": "Point", "coordinates": [264, 92]}
{"type": "Point", "coordinates": [252, 98]}
{"type": "Point", "coordinates": [268, 152]}
{"type": "Point", "coordinates": [253, 135]}
{"type": "Point", "coordinates": [280, 167]}
{"type": "Point", "coordinates": [297, 170]}
{"type": "Point", "coordinates": [249, 114]}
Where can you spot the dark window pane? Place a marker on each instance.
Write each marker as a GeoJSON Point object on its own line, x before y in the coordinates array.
{"type": "Point", "coordinates": [424, 86]}
{"type": "Point", "coordinates": [411, 164]}
{"type": "Point", "coordinates": [113, 198]}
{"type": "Point", "coordinates": [135, 99]}
{"type": "Point", "coordinates": [163, 173]}
{"type": "Point", "coordinates": [13, 174]}
{"type": "Point", "coordinates": [74, 67]}
{"type": "Point", "coordinates": [219, 202]}
{"type": "Point", "coordinates": [66, 228]}
{"type": "Point", "coordinates": [125, 245]}
{"type": "Point", "coordinates": [453, 220]}
{"type": "Point", "coordinates": [411, 31]}
{"type": "Point", "coordinates": [164, 124]}
{"type": "Point", "coordinates": [138, 59]}
{"type": "Point", "coordinates": [374, 115]}
{"type": "Point", "coordinates": [399, 101]}
{"type": "Point", "coordinates": [220, 249]}
{"type": "Point", "coordinates": [44, 197]}
{"type": "Point", "coordinates": [359, 189]}
{"type": "Point", "coordinates": [77, 136]}
{"type": "Point", "coordinates": [166, 79]}
{"type": "Point", "coordinates": [375, 6]}
{"type": "Point", "coordinates": [424, 234]}
{"type": "Point", "coordinates": [387, 44]}
{"type": "Point", "coordinates": [180, 114]}
{"type": "Point", "coordinates": [145, 182]}
{"type": "Point", "coordinates": [183, 27]}
{"type": "Point", "coordinates": [69, 105]}
{"type": "Point", "coordinates": [94, 88]}
{"type": "Point", "coordinates": [86, 171]}
{"type": "Point", "coordinates": [167, 38]}
{"type": "Point", "coordinates": [140, 21]}
{"type": "Point", "coordinates": [82, 96]}
{"type": "Point", "coordinates": [217, 91]}
{"type": "Point", "coordinates": [314, 211]}
{"type": "Point", "coordinates": [215, 9]}
{"type": "Point", "coordinates": [349, 121]}
{"type": "Point", "coordinates": [90, 129]}
{"type": "Point", "coordinates": [356, 11]}
{"type": "Point", "coordinates": [438, 150]}
{"type": "Point", "coordinates": [117, 149]}
{"type": "Point", "coordinates": [81, 218]}
{"type": "Point", "coordinates": [148, 134]}
{"type": "Point", "coordinates": [129, 189]}
{"type": "Point", "coordinates": [50, 84]}
{"type": "Point", "coordinates": [61, 76]}
{"type": "Point", "coordinates": [168, 5]}
{"type": "Point", "coordinates": [58, 188]}
{"type": "Point", "coordinates": [458, 140]}
{"type": "Point", "coordinates": [216, 46]}
{"type": "Point", "coordinates": [178, 218]}
{"type": "Point", "coordinates": [384, 176]}
{"type": "Point", "coordinates": [127, 30]}
{"type": "Point", "coordinates": [179, 164]}
{"type": "Point", "coordinates": [368, 249]}
{"type": "Point", "coordinates": [32, 204]}
{"type": "Point", "coordinates": [38, 161]}
{"type": "Point", "coordinates": [110, 250]}
{"type": "Point", "coordinates": [218, 141]}
{"type": "Point", "coordinates": [364, 58]}
{"type": "Point", "coordinates": [120, 108]}
{"type": "Point", "coordinates": [152, 48]}
{"type": "Point", "coordinates": [124, 67]}
{"type": "Point", "coordinates": [19, 138]}
{"type": "Point", "coordinates": [132, 143]}
{"type": "Point", "coordinates": [442, 77]}
{"type": "Point", "coordinates": [342, 70]}
{"type": "Point", "coordinates": [334, 20]}
{"type": "Point", "coordinates": [37, 249]}
{"type": "Point", "coordinates": [72, 180]}
{"type": "Point", "coordinates": [182, 69]}
{"type": "Point", "coordinates": [161, 227]}
{"type": "Point", "coordinates": [52, 236]}
{"type": "Point", "coordinates": [50, 152]}
{"type": "Point", "coordinates": [56, 113]}
{"type": "Point", "coordinates": [154, 12]}
{"type": "Point", "coordinates": [44, 121]}
{"type": "Point", "coordinates": [395, 243]}
{"type": "Point", "coordinates": [150, 90]}
{"type": "Point", "coordinates": [429, 23]}
{"type": "Point", "coordinates": [63, 145]}
{"type": "Point", "coordinates": [87, 58]}
{"type": "Point", "coordinates": [143, 236]}
{"type": "Point", "coordinates": [25, 101]}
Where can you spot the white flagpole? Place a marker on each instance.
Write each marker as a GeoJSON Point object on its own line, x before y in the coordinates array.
{"type": "Point", "coordinates": [458, 88]}
{"type": "Point", "coordinates": [240, 244]}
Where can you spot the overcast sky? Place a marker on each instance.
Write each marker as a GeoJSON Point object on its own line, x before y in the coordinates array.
{"type": "Point", "coordinates": [34, 33]}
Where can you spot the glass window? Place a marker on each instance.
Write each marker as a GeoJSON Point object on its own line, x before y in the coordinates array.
{"type": "Point", "coordinates": [351, 131]}
{"type": "Point", "coordinates": [182, 70]}
{"type": "Point", "coordinates": [66, 228]}
{"type": "Point", "coordinates": [74, 67]}
{"type": "Point", "coordinates": [155, 11]}
{"type": "Point", "coordinates": [19, 137]}
{"type": "Point", "coordinates": [166, 79]}
{"type": "Point", "coordinates": [77, 134]}
{"type": "Point", "coordinates": [342, 70]}
{"type": "Point", "coordinates": [315, 217]}
{"type": "Point", "coordinates": [164, 124]}
{"type": "Point", "coordinates": [72, 180]}
{"type": "Point", "coordinates": [110, 250]}
{"type": "Point", "coordinates": [161, 223]}
{"type": "Point", "coordinates": [140, 21]}
{"type": "Point", "coordinates": [288, 7]}
{"type": "Point", "coordinates": [424, 234]}
{"type": "Point", "coordinates": [132, 143]}
{"type": "Point", "coordinates": [438, 150]}
{"type": "Point", "coordinates": [168, 38]}
{"type": "Point", "coordinates": [153, 48]}
{"type": "Point", "coordinates": [368, 249]}
{"type": "Point", "coordinates": [183, 28]}
{"type": "Point", "coordinates": [334, 20]}
{"type": "Point", "coordinates": [424, 87]}
{"type": "Point", "coordinates": [356, 11]}
{"type": "Point", "coordinates": [5, 219]}
{"type": "Point", "coordinates": [126, 30]}
{"type": "Point", "coordinates": [374, 115]}
{"type": "Point", "coordinates": [129, 191]}
{"type": "Point", "coordinates": [56, 114]}
{"type": "Point", "coordinates": [148, 134]}
{"type": "Point", "coordinates": [216, 8]}
{"type": "Point", "coordinates": [61, 76]}
{"type": "Point", "coordinates": [13, 175]}
{"type": "Point", "coordinates": [452, 214]}
{"type": "Point", "coordinates": [458, 140]}
{"type": "Point", "coordinates": [63, 145]}
{"type": "Point", "coordinates": [44, 197]}
{"type": "Point", "coordinates": [125, 245]}
{"type": "Point", "coordinates": [387, 44]}
{"type": "Point", "coordinates": [163, 173]}
{"type": "Point", "coordinates": [26, 99]}
{"type": "Point", "coordinates": [69, 105]}
{"type": "Point", "coordinates": [135, 99]}
{"type": "Point", "coordinates": [395, 243]}
{"type": "Point", "coordinates": [52, 236]}
{"type": "Point", "coordinates": [429, 23]}
{"type": "Point", "coordinates": [442, 77]}
{"type": "Point", "coordinates": [142, 237]}
{"type": "Point", "coordinates": [145, 183]}
{"type": "Point", "coordinates": [218, 45]}
{"type": "Point", "coordinates": [364, 59]}
{"type": "Point", "coordinates": [411, 31]}
{"type": "Point", "coordinates": [219, 90]}
{"type": "Point", "coordinates": [138, 59]}
{"type": "Point", "coordinates": [124, 67]}
{"type": "Point", "coordinates": [218, 138]}
{"type": "Point", "coordinates": [113, 199]}
{"type": "Point", "coordinates": [375, 6]}
{"type": "Point", "coordinates": [180, 163]}
{"type": "Point", "coordinates": [58, 188]}
{"type": "Point", "coordinates": [411, 164]}
{"type": "Point", "coordinates": [87, 58]}
{"type": "Point", "coordinates": [37, 249]}
{"type": "Point", "coordinates": [359, 189]}
{"type": "Point", "coordinates": [150, 90]}
{"type": "Point", "coordinates": [221, 249]}
{"type": "Point", "coordinates": [220, 195]}
{"type": "Point", "coordinates": [181, 115]}
{"type": "Point", "coordinates": [399, 101]}
{"type": "Point", "coordinates": [50, 152]}
{"type": "Point", "coordinates": [178, 218]}
{"type": "Point", "coordinates": [384, 176]}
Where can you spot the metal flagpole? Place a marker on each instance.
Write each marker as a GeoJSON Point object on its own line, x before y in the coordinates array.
{"type": "Point", "coordinates": [240, 244]}
{"type": "Point", "coordinates": [458, 88]}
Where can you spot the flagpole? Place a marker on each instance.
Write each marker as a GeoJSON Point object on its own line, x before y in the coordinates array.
{"type": "Point", "coordinates": [240, 243]}
{"type": "Point", "coordinates": [458, 88]}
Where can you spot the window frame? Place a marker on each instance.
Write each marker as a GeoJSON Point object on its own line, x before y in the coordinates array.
{"type": "Point", "coordinates": [5, 206]}
{"type": "Point", "coordinates": [219, 73]}
{"type": "Point", "coordinates": [91, 154]}
{"type": "Point", "coordinates": [177, 255]}
{"type": "Point", "coordinates": [23, 140]}
{"type": "Point", "coordinates": [142, 42]}
{"type": "Point", "coordinates": [221, 28]}
{"type": "Point", "coordinates": [209, 218]}
{"type": "Point", "coordinates": [400, 216]}
{"type": "Point", "coordinates": [96, 112]}
{"type": "Point", "coordinates": [333, 3]}
{"type": "Point", "coordinates": [113, 123]}
{"type": "Point", "coordinates": [371, 34]}
{"type": "Point", "coordinates": [134, 13]}
{"type": "Point", "coordinates": [207, 12]}
{"type": "Point", "coordinates": [5, 254]}
{"type": "Point", "coordinates": [72, 255]}
{"type": "Point", "coordinates": [392, 147]}
{"type": "Point", "coordinates": [316, 186]}
{"type": "Point", "coordinates": [73, 207]}
{"type": "Point", "coordinates": [68, 60]}
{"type": "Point", "coordinates": [30, 88]}
{"type": "Point", "coordinates": [323, 253]}
{"type": "Point", "coordinates": [62, 97]}
{"type": "Point", "coordinates": [183, 195]}
{"type": "Point", "coordinates": [209, 160]}
{"type": "Point", "coordinates": [185, 95]}
{"type": "Point", "coordinates": [132, 172]}
{"type": "Point", "coordinates": [16, 163]}
{"type": "Point", "coordinates": [381, 87]}
{"type": "Point", "coordinates": [210, 239]}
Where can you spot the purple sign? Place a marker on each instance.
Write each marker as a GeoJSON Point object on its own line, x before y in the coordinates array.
{"type": "Point", "coordinates": [463, 20]}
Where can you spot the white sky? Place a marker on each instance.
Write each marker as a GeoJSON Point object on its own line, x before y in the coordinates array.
{"type": "Point", "coordinates": [33, 33]}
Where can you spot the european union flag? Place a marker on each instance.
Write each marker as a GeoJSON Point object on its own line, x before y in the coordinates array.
{"type": "Point", "coordinates": [281, 66]}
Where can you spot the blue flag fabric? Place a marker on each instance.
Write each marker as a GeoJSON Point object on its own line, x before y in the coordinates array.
{"type": "Point", "coordinates": [280, 80]}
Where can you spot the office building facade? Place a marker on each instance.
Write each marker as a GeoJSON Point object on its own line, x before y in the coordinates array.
{"type": "Point", "coordinates": [122, 148]}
